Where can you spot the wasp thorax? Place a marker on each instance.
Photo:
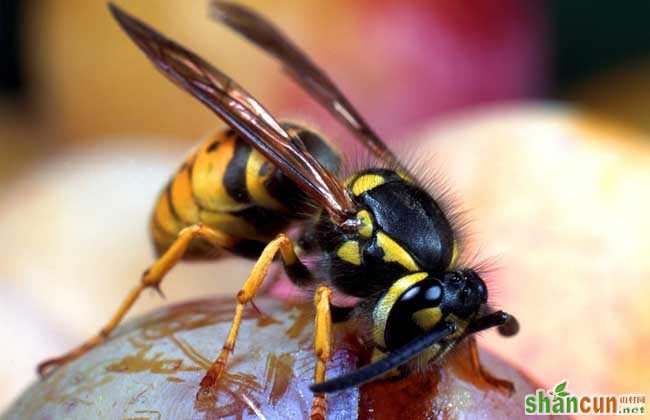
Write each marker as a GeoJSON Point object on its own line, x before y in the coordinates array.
{"type": "Point", "coordinates": [401, 213]}
{"type": "Point", "coordinates": [399, 229]}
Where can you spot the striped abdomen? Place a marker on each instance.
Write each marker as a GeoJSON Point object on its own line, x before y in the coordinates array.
{"type": "Point", "coordinates": [229, 186]}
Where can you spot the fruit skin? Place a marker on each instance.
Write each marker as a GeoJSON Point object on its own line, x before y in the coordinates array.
{"type": "Point", "coordinates": [152, 366]}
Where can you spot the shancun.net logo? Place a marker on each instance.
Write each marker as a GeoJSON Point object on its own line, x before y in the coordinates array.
{"type": "Point", "coordinates": [560, 401]}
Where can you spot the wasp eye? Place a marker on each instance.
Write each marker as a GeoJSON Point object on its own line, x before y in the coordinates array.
{"type": "Point", "coordinates": [416, 310]}
{"type": "Point", "coordinates": [433, 293]}
{"type": "Point", "coordinates": [410, 294]}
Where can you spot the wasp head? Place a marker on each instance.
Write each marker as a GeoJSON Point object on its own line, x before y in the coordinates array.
{"type": "Point", "coordinates": [420, 302]}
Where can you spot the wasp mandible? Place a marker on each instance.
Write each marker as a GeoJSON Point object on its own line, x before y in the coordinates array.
{"type": "Point", "coordinates": [380, 236]}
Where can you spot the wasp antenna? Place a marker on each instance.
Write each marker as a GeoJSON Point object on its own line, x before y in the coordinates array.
{"type": "Point", "coordinates": [507, 324]}
{"type": "Point", "coordinates": [510, 327]}
{"type": "Point", "coordinates": [391, 361]}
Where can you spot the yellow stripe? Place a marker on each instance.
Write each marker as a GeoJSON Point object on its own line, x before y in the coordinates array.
{"type": "Point", "coordinates": [366, 183]}
{"type": "Point", "coordinates": [349, 252]}
{"type": "Point", "coordinates": [454, 256]}
{"type": "Point", "coordinates": [255, 182]}
{"type": "Point", "coordinates": [366, 227]}
{"type": "Point", "coordinates": [164, 216]}
{"type": "Point", "coordinates": [393, 252]}
{"type": "Point", "coordinates": [231, 225]}
{"type": "Point", "coordinates": [208, 172]}
{"type": "Point", "coordinates": [380, 314]}
{"type": "Point", "coordinates": [162, 240]}
{"type": "Point", "coordinates": [182, 197]}
{"type": "Point", "coordinates": [404, 176]}
{"type": "Point", "coordinates": [376, 355]}
{"type": "Point", "coordinates": [427, 318]}
{"type": "Point", "coordinates": [460, 324]}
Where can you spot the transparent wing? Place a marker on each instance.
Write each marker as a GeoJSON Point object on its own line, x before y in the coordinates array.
{"type": "Point", "coordinates": [299, 66]}
{"type": "Point", "coordinates": [243, 113]}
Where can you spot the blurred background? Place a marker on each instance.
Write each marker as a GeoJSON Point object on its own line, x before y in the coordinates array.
{"type": "Point", "coordinates": [536, 113]}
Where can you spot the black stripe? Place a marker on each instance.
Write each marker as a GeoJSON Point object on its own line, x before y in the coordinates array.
{"type": "Point", "coordinates": [286, 191]}
{"type": "Point", "coordinates": [190, 170]}
{"type": "Point", "coordinates": [248, 248]}
{"type": "Point", "coordinates": [156, 225]}
{"type": "Point", "coordinates": [188, 167]}
{"type": "Point", "coordinates": [266, 222]}
{"type": "Point", "coordinates": [265, 169]}
{"type": "Point", "coordinates": [159, 247]}
{"type": "Point", "coordinates": [340, 313]}
{"type": "Point", "coordinates": [234, 179]}
{"type": "Point", "coordinates": [213, 146]}
{"type": "Point", "coordinates": [319, 148]}
{"type": "Point", "coordinates": [298, 273]}
{"type": "Point", "coordinates": [170, 202]}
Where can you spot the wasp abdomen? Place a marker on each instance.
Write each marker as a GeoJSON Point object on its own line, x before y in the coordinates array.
{"type": "Point", "coordinates": [231, 187]}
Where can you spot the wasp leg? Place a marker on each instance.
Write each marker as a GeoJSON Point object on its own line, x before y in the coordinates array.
{"type": "Point", "coordinates": [322, 347]}
{"type": "Point", "coordinates": [152, 277]}
{"type": "Point", "coordinates": [503, 385]}
{"type": "Point", "coordinates": [281, 244]}
{"type": "Point", "coordinates": [506, 324]}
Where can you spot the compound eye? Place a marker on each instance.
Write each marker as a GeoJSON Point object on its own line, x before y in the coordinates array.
{"type": "Point", "coordinates": [418, 309]}
{"type": "Point", "coordinates": [410, 294]}
{"type": "Point", "coordinates": [425, 295]}
{"type": "Point", "coordinates": [432, 294]}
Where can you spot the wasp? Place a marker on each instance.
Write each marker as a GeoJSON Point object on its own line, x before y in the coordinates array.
{"type": "Point", "coordinates": [380, 236]}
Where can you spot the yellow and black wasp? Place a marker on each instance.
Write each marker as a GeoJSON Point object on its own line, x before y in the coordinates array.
{"type": "Point", "coordinates": [381, 236]}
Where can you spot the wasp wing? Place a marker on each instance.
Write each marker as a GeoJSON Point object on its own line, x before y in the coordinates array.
{"type": "Point", "coordinates": [391, 361]}
{"type": "Point", "coordinates": [299, 66]}
{"type": "Point", "coordinates": [242, 112]}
